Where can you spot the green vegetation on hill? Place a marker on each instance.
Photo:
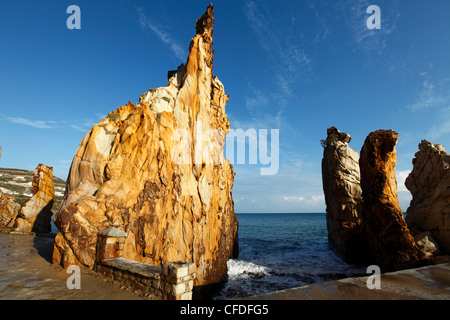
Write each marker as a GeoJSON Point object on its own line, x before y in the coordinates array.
{"type": "Point", "coordinates": [18, 185]}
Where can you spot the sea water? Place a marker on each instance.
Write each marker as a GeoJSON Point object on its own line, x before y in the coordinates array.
{"type": "Point", "coordinates": [281, 251]}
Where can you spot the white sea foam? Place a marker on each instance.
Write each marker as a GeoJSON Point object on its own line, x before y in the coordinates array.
{"type": "Point", "coordinates": [282, 251]}
{"type": "Point", "coordinates": [239, 269]}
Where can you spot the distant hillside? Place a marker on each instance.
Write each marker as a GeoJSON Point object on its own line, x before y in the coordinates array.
{"type": "Point", "coordinates": [17, 183]}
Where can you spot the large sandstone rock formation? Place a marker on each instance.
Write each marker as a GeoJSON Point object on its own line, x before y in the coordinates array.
{"type": "Point", "coordinates": [364, 219]}
{"type": "Point", "coordinates": [35, 214]}
{"type": "Point", "coordinates": [429, 183]}
{"type": "Point", "coordinates": [157, 171]}
{"type": "Point", "coordinates": [390, 242]}
{"type": "Point", "coordinates": [343, 197]}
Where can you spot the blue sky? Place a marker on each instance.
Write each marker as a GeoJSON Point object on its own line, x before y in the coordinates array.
{"type": "Point", "coordinates": [296, 66]}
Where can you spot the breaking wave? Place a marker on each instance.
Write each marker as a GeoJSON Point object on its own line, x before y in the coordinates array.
{"type": "Point", "coordinates": [280, 251]}
{"type": "Point", "coordinates": [238, 269]}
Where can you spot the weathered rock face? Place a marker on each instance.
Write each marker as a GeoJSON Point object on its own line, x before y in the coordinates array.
{"type": "Point", "coordinates": [429, 183]}
{"type": "Point", "coordinates": [156, 170]}
{"type": "Point", "coordinates": [9, 209]}
{"type": "Point", "coordinates": [389, 239]}
{"type": "Point", "coordinates": [343, 197]}
{"type": "Point", "coordinates": [35, 214]}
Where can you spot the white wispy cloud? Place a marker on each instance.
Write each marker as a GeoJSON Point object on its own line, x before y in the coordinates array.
{"type": "Point", "coordinates": [403, 194]}
{"type": "Point", "coordinates": [433, 94]}
{"type": "Point", "coordinates": [310, 201]}
{"type": "Point", "coordinates": [83, 125]}
{"type": "Point", "coordinates": [260, 106]}
{"type": "Point", "coordinates": [283, 48]}
{"type": "Point", "coordinates": [80, 128]}
{"type": "Point", "coordinates": [32, 123]}
{"type": "Point", "coordinates": [442, 128]}
{"type": "Point", "coordinates": [401, 176]}
{"type": "Point", "coordinates": [287, 62]}
{"type": "Point", "coordinates": [146, 24]}
{"type": "Point", "coordinates": [296, 191]}
{"type": "Point", "coordinates": [322, 17]}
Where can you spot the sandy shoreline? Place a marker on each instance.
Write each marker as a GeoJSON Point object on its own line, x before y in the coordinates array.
{"type": "Point", "coordinates": [26, 273]}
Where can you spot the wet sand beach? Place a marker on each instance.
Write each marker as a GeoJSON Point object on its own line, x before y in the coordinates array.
{"type": "Point", "coordinates": [26, 273]}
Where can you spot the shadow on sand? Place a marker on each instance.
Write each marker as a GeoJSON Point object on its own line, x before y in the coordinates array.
{"type": "Point", "coordinates": [44, 246]}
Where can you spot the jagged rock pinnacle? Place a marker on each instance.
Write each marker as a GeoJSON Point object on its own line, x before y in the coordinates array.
{"type": "Point", "coordinates": [173, 200]}
{"type": "Point", "coordinates": [206, 22]}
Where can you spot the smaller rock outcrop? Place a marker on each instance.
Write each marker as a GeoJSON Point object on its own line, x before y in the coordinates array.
{"type": "Point", "coordinates": [9, 209]}
{"type": "Point", "coordinates": [35, 214]}
{"type": "Point", "coordinates": [429, 184]}
{"type": "Point", "coordinates": [343, 197]}
{"type": "Point", "coordinates": [390, 241]}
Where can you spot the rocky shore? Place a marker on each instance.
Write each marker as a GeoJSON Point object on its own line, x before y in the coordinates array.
{"type": "Point", "coordinates": [143, 172]}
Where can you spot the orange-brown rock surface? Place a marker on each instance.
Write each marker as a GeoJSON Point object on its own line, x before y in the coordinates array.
{"type": "Point", "coordinates": [388, 236]}
{"type": "Point", "coordinates": [429, 183]}
{"type": "Point", "coordinates": [35, 214]}
{"type": "Point", "coordinates": [156, 170]}
{"type": "Point", "coordinates": [9, 208]}
{"type": "Point", "coordinates": [343, 198]}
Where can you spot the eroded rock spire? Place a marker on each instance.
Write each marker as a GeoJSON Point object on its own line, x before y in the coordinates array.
{"type": "Point", "coordinates": [140, 170]}
{"type": "Point", "coordinates": [343, 197]}
{"type": "Point", "coordinates": [390, 241]}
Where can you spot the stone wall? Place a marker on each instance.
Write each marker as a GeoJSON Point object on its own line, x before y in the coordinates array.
{"type": "Point", "coordinates": [172, 281]}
